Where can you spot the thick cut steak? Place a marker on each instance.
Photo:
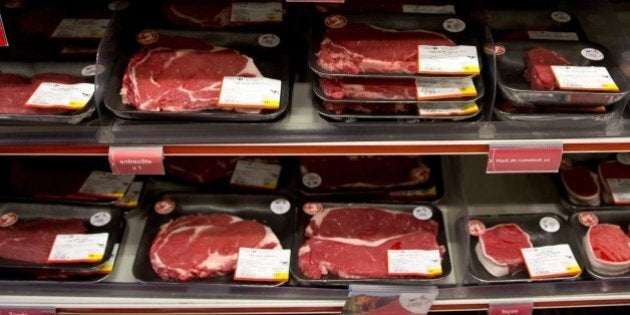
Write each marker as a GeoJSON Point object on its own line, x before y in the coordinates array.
{"type": "Point", "coordinates": [366, 172]}
{"type": "Point", "coordinates": [180, 79]}
{"type": "Point", "coordinates": [607, 249]}
{"type": "Point", "coordinates": [204, 14]}
{"type": "Point", "coordinates": [371, 108]}
{"type": "Point", "coordinates": [203, 246]}
{"type": "Point", "coordinates": [364, 233]}
{"type": "Point", "coordinates": [539, 61]}
{"type": "Point", "coordinates": [31, 240]}
{"type": "Point", "coordinates": [499, 249]}
{"type": "Point", "coordinates": [613, 176]}
{"type": "Point", "coordinates": [16, 90]}
{"type": "Point", "coordinates": [363, 48]}
{"type": "Point", "coordinates": [581, 185]}
{"type": "Point", "coordinates": [369, 89]}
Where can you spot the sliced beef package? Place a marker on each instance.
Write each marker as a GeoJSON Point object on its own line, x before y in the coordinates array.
{"type": "Point", "coordinates": [47, 91]}
{"type": "Point", "coordinates": [195, 237]}
{"type": "Point", "coordinates": [60, 238]}
{"type": "Point", "coordinates": [51, 29]}
{"type": "Point", "coordinates": [534, 25]}
{"type": "Point", "coordinates": [352, 44]}
{"type": "Point", "coordinates": [375, 177]}
{"type": "Point", "coordinates": [374, 235]}
{"type": "Point", "coordinates": [200, 75]}
{"type": "Point", "coordinates": [604, 237]}
{"type": "Point", "coordinates": [558, 73]}
{"type": "Point", "coordinates": [498, 239]}
{"type": "Point", "coordinates": [222, 13]}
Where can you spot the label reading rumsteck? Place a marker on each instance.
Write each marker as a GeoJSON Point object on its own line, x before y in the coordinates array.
{"type": "Point", "coordinates": [584, 78]}
{"type": "Point", "coordinates": [254, 93]}
{"type": "Point", "coordinates": [426, 263]}
{"type": "Point", "coordinates": [253, 12]}
{"type": "Point", "coordinates": [265, 265]}
{"type": "Point", "coordinates": [452, 60]}
{"type": "Point", "coordinates": [73, 248]}
{"type": "Point", "coordinates": [551, 262]}
{"type": "Point", "coordinates": [106, 184]}
{"type": "Point", "coordinates": [59, 95]}
{"type": "Point", "coordinates": [81, 28]}
{"type": "Point", "coordinates": [256, 174]}
{"type": "Point", "coordinates": [444, 88]}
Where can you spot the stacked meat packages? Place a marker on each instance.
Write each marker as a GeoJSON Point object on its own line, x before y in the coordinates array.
{"type": "Point", "coordinates": [394, 66]}
{"type": "Point", "coordinates": [47, 66]}
{"type": "Point", "coordinates": [548, 70]}
{"type": "Point", "coordinates": [200, 60]}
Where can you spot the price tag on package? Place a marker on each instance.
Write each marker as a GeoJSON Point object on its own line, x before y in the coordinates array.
{"type": "Point", "coordinates": [256, 12]}
{"type": "Point", "coordinates": [444, 88]}
{"type": "Point", "coordinates": [459, 110]}
{"type": "Point", "coordinates": [255, 93]}
{"type": "Point", "coordinates": [58, 95]}
{"type": "Point", "coordinates": [105, 184]}
{"type": "Point", "coordinates": [265, 265]}
{"type": "Point", "coordinates": [74, 248]}
{"type": "Point", "coordinates": [553, 35]}
{"type": "Point", "coordinates": [256, 174]}
{"type": "Point", "coordinates": [428, 9]}
{"type": "Point", "coordinates": [551, 262]}
{"type": "Point", "coordinates": [426, 263]}
{"type": "Point", "coordinates": [81, 28]}
{"type": "Point", "coordinates": [584, 78]}
{"type": "Point", "coordinates": [620, 189]}
{"type": "Point", "coordinates": [451, 60]}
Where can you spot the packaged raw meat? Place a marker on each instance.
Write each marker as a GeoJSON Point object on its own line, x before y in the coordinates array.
{"type": "Point", "coordinates": [581, 185]}
{"type": "Point", "coordinates": [614, 177]}
{"type": "Point", "coordinates": [222, 13]}
{"type": "Point", "coordinates": [538, 71]}
{"type": "Point", "coordinates": [499, 249]}
{"type": "Point", "coordinates": [148, 90]}
{"type": "Point", "coordinates": [367, 232]}
{"type": "Point", "coordinates": [170, 250]}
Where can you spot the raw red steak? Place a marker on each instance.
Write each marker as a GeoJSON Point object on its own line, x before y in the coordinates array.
{"type": "Point", "coordinates": [15, 91]}
{"type": "Point", "coordinates": [203, 246]}
{"type": "Point", "coordinates": [607, 249]}
{"type": "Point", "coordinates": [364, 48]}
{"type": "Point", "coordinates": [613, 171]}
{"type": "Point", "coordinates": [365, 172]}
{"type": "Point", "coordinates": [369, 89]}
{"type": "Point", "coordinates": [338, 233]}
{"type": "Point", "coordinates": [499, 249]}
{"type": "Point", "coordinates": [204, 14]}
{"type": "Point", "coordinates": [371, 108]}
{"type": "Point", "coordinates": [31, 240]}
{"type": "Point", "coordinates": [179, 79]}
{"type": "Point", "coordinates": [538, 71]}
{"type": "Point", "coordinates": [582, 186]}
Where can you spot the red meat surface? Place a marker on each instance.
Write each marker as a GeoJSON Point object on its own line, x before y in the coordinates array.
{"type": "Point", "coordinates": [369, 89]}
{"type": "Point", "coordinates": [15, 91]}
{"type": "Point", "coordinates": [538, 71]}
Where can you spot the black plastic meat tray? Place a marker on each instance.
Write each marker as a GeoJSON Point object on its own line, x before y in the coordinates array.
{"type": "Point", "coordinates": [437, 23]}
{"type": "Point", "coordinates": [303, 220]}
{"type": "Point", "coordinates": [546, 24]}
{"type": "Point", "coordinates": [619, 217]}
{"type": "Point", "coordinates": [250, 207]}
{"type": "Point", "coordinates": [29, 211]}
{"type": "Point", "coordinates": [273, 62]}
{"type": "Point", "coordinates": [530, 223]}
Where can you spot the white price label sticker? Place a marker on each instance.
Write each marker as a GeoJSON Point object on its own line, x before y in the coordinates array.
{"type": "Point", "coordinates": [444, 88]}
{"type": "Point", "coordinates": [570, 36]}
{"type": "Point", "coordinates": [59, 95]}
{"type": "Point", "coordinates": [427, 263]}
{"type": "Point", "coordinates": [584, 78]}
{"type": "Point", "coordinates": [267, 265]}
{"type": "Point", "coordinates": [256, 174]}
{"type": "Point", "coordinates": [465, 110]}
{"type": "Point", "coordinates": [455, 60]}
{"type": "Point", "coordinates": [551, 262]}
{"type": "Point", "coordinates": [73, 248]}
{"type": "Point", "coordinates": [108, 266]}
{"type": "Point", "coordinates": [131, 197]}
{"type": "Point", "coordinates": [81, 28]}
{"type": "Point", "coordinates": [253, 12]}
{"type": "Point", "coordinates": [105, 184]}
{"type": "Point", "coordinates": [255, 92]}
{"type": "Point", "coordinates": [428, 9]}
{"type": "Point", "coordinates": [620, 189]}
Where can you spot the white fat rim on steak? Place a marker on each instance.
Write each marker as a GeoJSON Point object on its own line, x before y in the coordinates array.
{"type": "Point", "coordinates": [583, 199]}
{"type": "Point", "coordinates": [494, 267]}
{"type": "Point", "coordinates": [319, 217]}
{"type": "Point", "coordinates": [602, 266]}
